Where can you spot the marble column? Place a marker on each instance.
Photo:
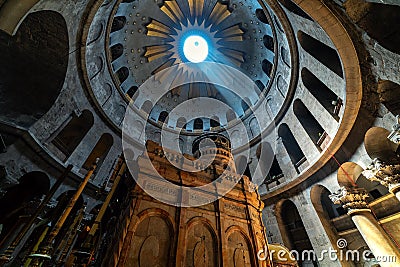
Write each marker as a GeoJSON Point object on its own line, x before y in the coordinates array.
{"type": "Point", "coordinates": [387, 174]}
{"type": "Point", "coordinates": [378, 241]}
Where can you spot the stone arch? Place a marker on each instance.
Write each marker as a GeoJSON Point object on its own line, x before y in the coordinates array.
{"type": "Point", "coordinates": [151, 240]}
{"type": "Point", "coordinates": [269, 165]}
{"type": "Point", "coordinates": [240, 249]}
{"type": "Point", "coordinates": [343, 42]}
{"type": "Point", "coordinates": [201, 243]}
{"type": "Point", "coordinates": [198, 124]}
{"type": "Point", "coordinates": [267, 66]}
{"type": "Point", "coordinates": [122, 74]}
{"type": "Point", "coordinates": [327, 211]}
{"type": "Point", "coordinates": [285, 55]}
{"type": "Point", "coordinates": [230, 115]}
{"type": "Point", "coordinates": [147, 106]}
{"type": "Point", "coordinates": [118, 23]}
{"type": "Point", "coordinates": [181, 122]}
{"type": "Point", "coordinates": [116, 51]}
{"type": "Point", "coordinates": [72, 134]}
{"type": "Point", "coordinates": [13, 13]}
{"type": "Point", "coordinates": [242, 166]}
{"type": "Point", "coordinates": [261, 16]}
{"type": "Point", "coordinates": [378, 145]}
{"type": "Point", "coordinates": [34, 63]}
{"type": "Point", "coordinates": [163, 117]}
{"type": "Point", "coordinates": [292, 229]}
{"type": "Point", "coordinates": [132, 92]}
{"type": "Point", "coordinates": [268, 42]}
{"type": "Point", "coordinates": [214, 121]}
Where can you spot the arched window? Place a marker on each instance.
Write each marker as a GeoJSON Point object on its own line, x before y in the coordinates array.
{"type": "Point", "coordinates": [118, 23]}
{"type": "Point", "coordinates": [230, 115]}
{"type": "Point", "coordinates": [321, 52]}
{"type": "Point", "coordinates": [328, 99]}
{"type": "Point", "coordinates": [292, 147]}
{"type": "Point", "coordinates": [122, 74]}
{"type": "Point", "coordinates": [269, 166]}
{"type": "Point", "coordinates": [147, 106]}
{"type": "Point", "coordinates": [214, 121]}
{"type": "Point", "coordinates": [242, 167]}
{"type": "Point", "coordinates": [72, 134]}
{"type": "Point", "coordinates": [292, 229]}
{"type": "Point", "coordinates": [99, 151]}
{"type": "Point", "coordinates": [261, 16]}
{"type": "Point", "coordinates": [309, 123]}
{"type": "Point", "coordinates": [260, 85]}
{"type": "Point", "coordinates": [245, 104]}
{"type": "Point", "coordinates": [181, 123]}
{"type": "Point", "coordinates": [268, 42]}
{"type": "Point", "coordinates": [132, 91]}
{"type": "Point", "coordinates": [198, 124]}
{"type": "Point", "coordinates": [163, 117]}
{"type": "Point", "coordinates": [267, 67]}
{"type": "Point", "coordinates": [254, 127]}
{"type": "Point", "coordinates": [116, 51]}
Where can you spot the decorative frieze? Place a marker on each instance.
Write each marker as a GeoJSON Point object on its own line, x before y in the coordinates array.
{"type": "Point", "coordinates": [350, 198]}
{"type": "Point", "coordinates": [387, 174]}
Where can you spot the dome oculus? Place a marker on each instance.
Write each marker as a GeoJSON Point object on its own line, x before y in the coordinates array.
{"type": "Point", "coordinates": [195, 48]}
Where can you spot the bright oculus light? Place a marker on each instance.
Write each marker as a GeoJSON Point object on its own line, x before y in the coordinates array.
{"type": "Point", "coordinates": [195, 48]}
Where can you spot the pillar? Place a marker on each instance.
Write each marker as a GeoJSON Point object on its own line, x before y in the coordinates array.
{"type": "Point", "coordinates": [354, 200]}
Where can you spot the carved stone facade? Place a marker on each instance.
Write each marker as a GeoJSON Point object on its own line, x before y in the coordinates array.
{"type": "Point", "coordinates": [226, 232]}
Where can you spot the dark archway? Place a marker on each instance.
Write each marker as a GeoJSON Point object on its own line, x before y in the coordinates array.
{"type": "Point", "coordinates": [72, 134]}
{"type": "Point", "coordinates": [309, 123]}
{"type": "Point", "coordinates": [33, 67]}
{"type": "Point", "coordinates": [181, 123]}
{"type": "Point", "coordinates": [321, 52]}
{"type": "Point", "coordinates": [198, 124]}
{"type": "Point", "coordinates": [378, 21]}
{"type": "Point", "coordinates": [163, 117]}
{"type": "Point", "coordinates": [20, 199]}
{"type": "Point", "coordinates": [292, 147]}
{"type": "Point", "coordinates": [322, 93]}
{"type": "Point", "coordinates": [292, 228]}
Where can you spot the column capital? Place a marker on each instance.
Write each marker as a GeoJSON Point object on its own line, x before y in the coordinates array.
{"type": "Point", "coordinates": [351, 198]}
{"type": "Point", "coordinates": [394, 136]}
{"type": "Point", "coordinates": [387, 174]}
